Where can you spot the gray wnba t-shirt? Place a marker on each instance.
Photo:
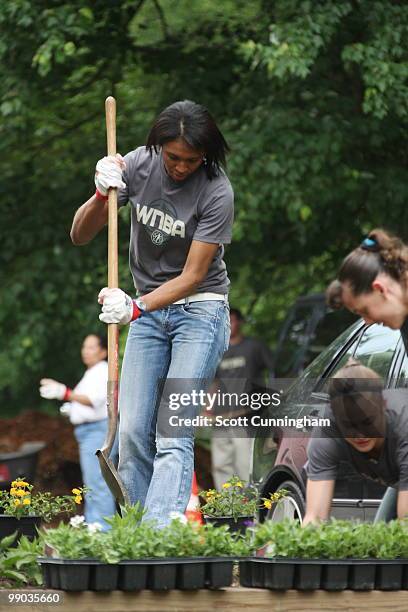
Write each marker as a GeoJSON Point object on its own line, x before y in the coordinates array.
{"type": "Point", "coordinates": [167, 215]}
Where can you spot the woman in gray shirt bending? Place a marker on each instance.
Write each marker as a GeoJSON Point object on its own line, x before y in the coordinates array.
{"type": "Point", "coordinates": [369, 430]}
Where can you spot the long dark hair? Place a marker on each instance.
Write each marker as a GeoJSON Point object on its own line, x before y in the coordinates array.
{"type": "Point", "coordinates": [379, 252]}
{"type": "Point", "coordinates": [193, 123]}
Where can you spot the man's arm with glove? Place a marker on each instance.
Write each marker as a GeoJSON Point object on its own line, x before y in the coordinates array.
{"type": "Point", "coordinates": [92, 216]}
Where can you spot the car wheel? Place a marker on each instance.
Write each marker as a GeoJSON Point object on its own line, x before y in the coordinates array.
{"type": "Point", "coordinates": [290, 507]}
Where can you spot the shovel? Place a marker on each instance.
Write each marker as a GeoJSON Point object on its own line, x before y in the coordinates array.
{"type": "Point", "coordinates": [108, 470]}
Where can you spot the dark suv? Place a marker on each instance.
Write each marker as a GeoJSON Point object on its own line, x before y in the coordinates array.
{"type": "Point", "coordinates": [279, 460]}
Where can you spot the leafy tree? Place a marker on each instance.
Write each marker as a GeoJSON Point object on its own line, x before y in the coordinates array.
{"type": "Point", "coordinates": [312, 97]}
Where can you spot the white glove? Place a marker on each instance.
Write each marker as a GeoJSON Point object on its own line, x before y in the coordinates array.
{"type": "Point", "coordinates": [117, 306]}
{"type": "Point", "coordinates": [65, 409]}
{"type": "Point", "coordinates": [109, 173]}
{"type": "Point", "coordinates": [51, 389]}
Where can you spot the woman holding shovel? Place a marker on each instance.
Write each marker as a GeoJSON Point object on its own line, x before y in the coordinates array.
{"type": "Point", "coordinates": [372, 282]}
{"type": "Point", "coordinates": [182, 213]}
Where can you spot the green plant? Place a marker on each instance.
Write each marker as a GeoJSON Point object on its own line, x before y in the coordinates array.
{"type": "Point", "coordinates": [19, 565]}
{"type": "Point", "coordinates": [20, 501]}
{"type": "Point", "coordinates": [131, 538]}
{"type": "Point", "coordinates": [128, 537]}
{"type": "Point", "coordinates": [235, 499]}
{"type": "Point", "coordinates": [333, 540]}
{"type": "Point", "coordinates": [71, 541]}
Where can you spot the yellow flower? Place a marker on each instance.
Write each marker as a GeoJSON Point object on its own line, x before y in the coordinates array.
{"type": "Point", "coordinates": [13, 491]}
{"type": "Point", "coordinates": [17, 502]}
{"type": "Point", "coordinates": [226, 485]}
{"type": "Point", "coordinates": [239, 484]}
{"type": "Point", "coordinates": [20, 493]}
{"type": "Point", "coordinates": [26, 501]}
{"type": "Point", "coordinates": [76, 491]}
{"type": "Point", "coordinates": [78, 499]}
{"type": "Point", "coordinates": [19, 483]}
{"type": "Point", "coordinates": [268, 503]}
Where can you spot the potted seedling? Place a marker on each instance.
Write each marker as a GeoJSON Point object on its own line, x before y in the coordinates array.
{"type": "Point", "coordinates": [23, 510]}
{"type": "Point", "coordinates": [234, 505]}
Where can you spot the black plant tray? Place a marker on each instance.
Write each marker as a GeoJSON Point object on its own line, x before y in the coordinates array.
{"type": "Point", "coordinates": [159, 574]}
{"type": "Point", "coordinates": [326, 574]}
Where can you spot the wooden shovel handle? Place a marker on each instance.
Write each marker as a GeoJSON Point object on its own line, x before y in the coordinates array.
{"type": "Point", "coordinates": [110, 111]}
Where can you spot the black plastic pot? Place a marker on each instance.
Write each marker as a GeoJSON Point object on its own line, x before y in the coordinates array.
{"type": "Point", "coordinates": [104, 577]}
{"type": "Point", "coordinates": [245, 573]}
{"type": "Point", "coordinates": [362, 574]}
{"type": "Point", "coordinates": [240, 525]}
{"type": "Point", "coordinates": [74, 575]}
{"type": "Point", "coordinates": [279, 575]}
{"type": "Point", "coordinates": [307, 575]}
{"type": "Point", "coordinates": [51, 575]}
{"type": "Point", "coordinates": [218, 572]}
{"type": "Point", "coordinates": [132, 575]}
{"type": "Point", "coordinates": [389, 575]}
{"type": "Point", "coordinates": [162, 575]}
{"type": "Point", "coordinates": [25, 526]}
{"type": "Point", "coordinates": [155, 574]}
{"type": "Point", "coordinates": [191, 574]}
{"type": "Point", "coordinates": [258, 573]}
{"type": "Point", "coordinates": [334, 575]}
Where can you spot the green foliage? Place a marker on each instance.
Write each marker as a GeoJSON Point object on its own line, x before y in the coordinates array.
{"type": "Point", "coordinates": [312, 97]}
{"type": "Point", "coordinates": [19, 565]}
{"type": "Point", "coordinates": [333, 540]}
{"type": "Point", "coordinates": [131, 538]}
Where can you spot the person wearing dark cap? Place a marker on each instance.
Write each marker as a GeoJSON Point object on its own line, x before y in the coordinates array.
{"type": "Point", "coordinates": [241, 370]}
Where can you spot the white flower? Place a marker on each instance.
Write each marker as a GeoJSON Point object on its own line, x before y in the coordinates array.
{"type": "Point", "coordinates": [94, 527]}
{"type": "Point", "coordinates": [77, 521]}
{"type": "Point", "coordinates": [178, 516]}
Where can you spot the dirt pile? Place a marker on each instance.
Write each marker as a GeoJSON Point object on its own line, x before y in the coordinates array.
{"type": "Point", "coordinates": [58, 466]}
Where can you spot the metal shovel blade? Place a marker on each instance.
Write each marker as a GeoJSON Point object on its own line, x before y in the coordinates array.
{"type": "Point", "coordinates": [112, 479]}
{"type": "Point", "coordinates": [109, 472]}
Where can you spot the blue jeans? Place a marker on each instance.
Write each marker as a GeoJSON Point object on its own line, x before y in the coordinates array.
{"type": "Point", "coordinates": [176, 342]}
{"type": "Point", "coordinates": [99, 501]}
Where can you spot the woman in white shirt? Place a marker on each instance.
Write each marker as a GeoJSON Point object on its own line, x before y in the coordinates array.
{"type": "Point", "coordinates": [85, 406]}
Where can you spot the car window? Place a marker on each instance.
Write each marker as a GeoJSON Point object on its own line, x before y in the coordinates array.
{"type": "Point", "coordinates": [293, 339]}
{"type": "Point", "coordinates": [327, 329]}
{"type": "Point", "coordinates": [306, 383]}
{"type": "Point", "coordinates": [377, 347]}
